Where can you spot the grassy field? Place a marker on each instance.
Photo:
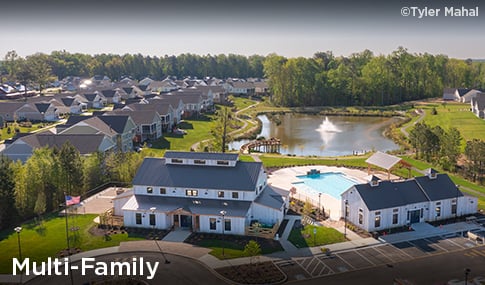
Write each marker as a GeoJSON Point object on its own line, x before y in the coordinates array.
{"type": "Point", "coordinates": [5, 135]}
{"type": "Point", "coordinates": [457, 115]}
{"type": "Point", "coordinates": [306, 238]}
{"type": "Point", "coordinates": [42, 241]}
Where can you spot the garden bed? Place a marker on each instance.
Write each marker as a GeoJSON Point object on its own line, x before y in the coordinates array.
{"type": "Point", "coordinates": [257, 273]}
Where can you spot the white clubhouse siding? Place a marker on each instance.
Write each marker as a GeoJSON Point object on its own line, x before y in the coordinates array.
{"type": "Point", "coordinates": [270, 215]}
{"type": "Point", "coordinates": [237, 225]}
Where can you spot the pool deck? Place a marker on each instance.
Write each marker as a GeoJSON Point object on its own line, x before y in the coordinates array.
{"type": "Point", "coordinates": [285, 177]}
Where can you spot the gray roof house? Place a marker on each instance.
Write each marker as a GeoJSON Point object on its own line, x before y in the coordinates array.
{"type": "Point", "coordinates": [190, 189]}
{"type": "Point", "coordinates": [23, 148]}
{"type": "Point", "coordinates": [379, 205]}
{"type": "Point", "coordinates": [477, 105]}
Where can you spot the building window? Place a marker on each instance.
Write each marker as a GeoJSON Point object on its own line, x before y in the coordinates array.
{"type": "Point", "coordinates": [361, 216]}
{"type": "Point", "coordinates": [199, 161]}
{"type": "Point", "coordinates": [421, 213]}
{"type": "Point", "coordinates": [190, 192]}
{"type": "Point", "coordinates": [220, 194]}
{"type": "Point", "coordinates": [235, 195]}
{"type": "Point", "coordinates": [377, 221]}
{"type": "Point", "coordinates": [453, 207]}
{"type": "Point", "coordinates": [149, 190]}
{"type": "Point", "coordinates": [138, 218]}
{"type": "Point", "coordinates": [212, 223]}
{"type": "Point", "coordinates": [163, 191]}
{"type": "Point", "coordinates": [227, 224]}
{"type": "Point", "coordinates": [176, 160]}
{"type": "Point", "coordinates": [152, 219]}
{"type": "Point", "coordinates": [395, 218]}
{"type": "Point", "coordinates": [438, 211]}
{"type": "Point", "coordinates": [222, 162]}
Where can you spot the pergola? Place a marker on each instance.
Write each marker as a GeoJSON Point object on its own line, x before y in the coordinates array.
{"type": "Point", "coordinates": [387, 162]}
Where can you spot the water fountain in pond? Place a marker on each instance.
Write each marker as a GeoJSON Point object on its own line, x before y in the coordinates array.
{"type": "Point", "coordinates": [327, 130]}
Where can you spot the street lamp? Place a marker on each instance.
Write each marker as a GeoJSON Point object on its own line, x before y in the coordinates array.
{"type": "Point", "coordinates": [18, 230]}
{"type": "Point", "coordinates": [345, 217]}
{"type": "Point", "coordinates": [467, 271]}
{"type": "Point", "coordinates": [223, 224]}
{"type": "Point", "coordinates": [319, 207]}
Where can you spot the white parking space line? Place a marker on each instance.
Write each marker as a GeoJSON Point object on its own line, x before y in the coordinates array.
{"type": "Point", "coordinates": [436, 244]}
{"type": "Point", "coordinates": [360, 254]}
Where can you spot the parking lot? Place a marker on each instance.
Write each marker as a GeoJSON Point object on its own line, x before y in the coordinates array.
{"type": "Point", "coordinates": [385, 254]}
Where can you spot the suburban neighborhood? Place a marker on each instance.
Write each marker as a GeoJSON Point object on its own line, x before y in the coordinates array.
{"type": "Point", "coordinates": [151, 169]}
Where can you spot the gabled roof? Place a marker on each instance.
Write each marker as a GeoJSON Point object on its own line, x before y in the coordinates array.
{"type": "Point", "coordinates": [201, 155]}
{"type": "Point", "coordinates": [439, 188]}
{"type": "Point", "coordinates": [116, 122]}
{"type": "Point", "coordinates": [84, 143]}
{"type": "Point", "coordinates": [196, 206]}
{"type": "Point", "coordinates": [74, 119]}
{"type": "Point", "coordinates": [270, 198]}
{"type": "Point", "coordinates": [155, 172]}
{"type": "Point", "coordinates": [42, 107]}
{"type": "Point", "coordinates": [139, 117]}
{"type": "Point", "coordinates": [108, 93]}
{"type": "Point", "coordinates": [90, 96]}
{"type": "Point", "coordinates": [463, 91]}
{"type": "Point", "coordinates": [390, 194]}
{"type": "Point", "coordinates": [10, 107]}
{"type": "Point", "coordinates": [67, 101]}
{"type": "Point", "coordinates": [383, 160]}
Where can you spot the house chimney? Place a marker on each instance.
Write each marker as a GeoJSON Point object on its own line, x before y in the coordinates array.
{"type": "Point", "coordinates": [431, 173]}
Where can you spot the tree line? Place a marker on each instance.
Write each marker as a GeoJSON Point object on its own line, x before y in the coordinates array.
{"type": "Point", "coordinates": [40, 67]}
{"type": "Point", "coordinates": [364, 79]}
{"type": "Point", "coordinates": [38, 185]}
{"type": "Point", "coordinates": [443, 148]}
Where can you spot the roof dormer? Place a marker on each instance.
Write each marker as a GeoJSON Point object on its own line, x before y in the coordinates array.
{"type": "Point", "coordinates": [373, 180]}
{"type": "Point", "coordinates": [431, 173]}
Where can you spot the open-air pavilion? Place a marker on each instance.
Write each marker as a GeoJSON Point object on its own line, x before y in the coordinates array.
{"type": "Point", "coordinates": [387, 162]}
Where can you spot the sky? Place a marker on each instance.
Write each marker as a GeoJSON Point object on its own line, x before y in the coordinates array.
{"type": "Point", "coordinates": [289, 28]}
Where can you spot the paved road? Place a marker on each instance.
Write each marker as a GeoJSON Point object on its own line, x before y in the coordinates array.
{"type": "Point", "coordinates": [181, 270]}
{"type": "Point", "coordinates": [435, 269]}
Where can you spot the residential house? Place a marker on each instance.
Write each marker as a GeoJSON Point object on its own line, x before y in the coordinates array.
{"type": "Point", "coordinates": [120, 129]}
{"type": "Point", "coordinates": [175, 102]}
{"type": "Point", "coordinates": [190, 189]}
{"type": "Point", "coordinates": [8, 111]}
{"type": "Point", "coordinates": [477, 105]}
{"type": "Point", "coordinates": [379, 205]}
{"type": "Point", "coordinates": [112, 96]}
{"type": "Point", "coordinates": [94, 100]}
{"type": "Point", "coordinates": [261, 88]}
{"type": "Point", "coordinates": [23, 148]}
{"type": "Point", "coordinates": [148, 123]}
{"type": "Point", "coordinates": [164, 86]}
{"type": "Point", "coordinates": [240, 88]}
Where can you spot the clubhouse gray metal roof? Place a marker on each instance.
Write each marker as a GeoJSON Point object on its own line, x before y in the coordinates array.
{"type": "Point", "coordinates": [202, 155]}
{"type": "Point", "coordinates": [270, 198]}
{"type": "Point", "coordinates": [213, 207]}
{"type": "Point", "coordinates": [154, 172]}
{"type": "Point", "coordinates": [439, 188]}
{"type": "Point", "coordinates": [390, 194]}
{"type": "Point", "coordinates": [383, 160]}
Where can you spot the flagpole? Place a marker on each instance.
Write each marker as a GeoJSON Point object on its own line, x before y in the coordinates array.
{"type": "Point", "coordinates": [67, 240]}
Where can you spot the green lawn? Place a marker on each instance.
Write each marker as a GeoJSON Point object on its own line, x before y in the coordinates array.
{"type": "Point", "coordinates": [40, 242]}
{"type": "Point", "coordinates": [307, 238]}
{"type": "Point", "coordinates": [197, 130]}
{"type": "Point", "coordinates": [271, 160]}
{"type": "Point", "coordinates": [457, 115]}
{"type": "Point", "coordinates": [5, 135]}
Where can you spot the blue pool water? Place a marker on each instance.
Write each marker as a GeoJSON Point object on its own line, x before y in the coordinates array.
{"type": "Point", "coordinates": [332, 183]}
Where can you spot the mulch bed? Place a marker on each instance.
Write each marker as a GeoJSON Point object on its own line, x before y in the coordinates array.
{"type": "Point", "coordinates": [240, 241]}
{"type": "Point", "coordinates": [257, 273]}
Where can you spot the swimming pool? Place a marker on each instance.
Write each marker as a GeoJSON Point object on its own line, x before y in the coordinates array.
{"type": "Point", "coordinates": [331, 183]}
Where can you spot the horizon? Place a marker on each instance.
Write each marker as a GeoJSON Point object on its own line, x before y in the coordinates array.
{"type": "Point", "coordinates": [216, 27]}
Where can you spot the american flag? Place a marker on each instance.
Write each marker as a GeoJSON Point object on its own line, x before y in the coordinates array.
{"type": "Point", "coordinates": [72, 200]}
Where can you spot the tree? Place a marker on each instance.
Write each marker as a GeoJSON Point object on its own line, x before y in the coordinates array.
{"type": "Point", "coordinates": [71, 168]}
{"type": "Point", "coordinates": [39, 70]}
{"type": "Point", "coordinates": [222, 128]}
{"type": "Point", "coordinates": [252, 249]}
{"type": "Point", "coordinates": [8, 212]}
